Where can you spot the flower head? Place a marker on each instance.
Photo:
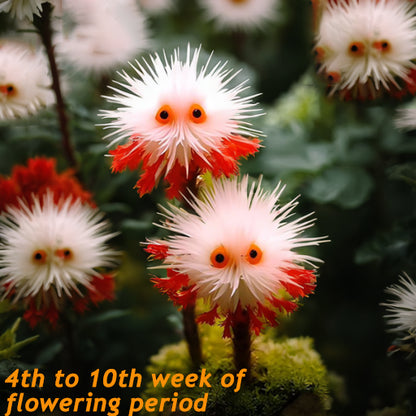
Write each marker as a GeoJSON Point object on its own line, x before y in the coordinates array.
{"type": "Point", "coordinates": [24, 81]}
{"type": "Point", "coordinates": [401, 311]}
{"type": "Point", "coordinates": [53, 247]}
{"type": "Point", "coordinates": [22, 9]}
{"type": "Point", "coordinates": [179, 121]}
{"type": "Point", "coordinates": [367, 47]}
{"type": "Point", "coordinates": [106, 34]}
{"type": "Point", "coordinates": [237, 251]}
{"type": "Point", "coordinates": [240, 14]}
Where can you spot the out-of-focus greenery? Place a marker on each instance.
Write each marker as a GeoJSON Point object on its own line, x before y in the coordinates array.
{"type": "Point", "coordinates": [346, 159]}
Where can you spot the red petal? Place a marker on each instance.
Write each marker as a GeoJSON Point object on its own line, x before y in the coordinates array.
{"type": "Point", "coordinates": [157, 251]}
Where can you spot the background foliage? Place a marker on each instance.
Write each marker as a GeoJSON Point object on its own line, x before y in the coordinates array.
{"type": "Point", "coordinates": [346, 159]}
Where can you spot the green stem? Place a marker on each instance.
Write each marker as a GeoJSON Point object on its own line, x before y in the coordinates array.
{"type": "Point", "coordinates": [43, 24]}
{"type": "Point", "coordinates": [192, 335]}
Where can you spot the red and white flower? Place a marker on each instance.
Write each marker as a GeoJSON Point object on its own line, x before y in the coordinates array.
{"type": "Point", "coordinates": [237, 251]}
{"type": "Point", "coordinates": [367, 47]}
{"type": "Point", "coordinates": [53, 248]}
{"type": "Point", "coordinates": [178, 120]}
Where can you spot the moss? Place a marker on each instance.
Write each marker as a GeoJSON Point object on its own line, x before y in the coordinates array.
{"type": "Point", "coordinates": [288, 379]}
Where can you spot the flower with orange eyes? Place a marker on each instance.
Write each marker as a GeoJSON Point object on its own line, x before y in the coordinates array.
{"type": "Point", "coordinates": [24, 81]}
{"type": "Point", "coordinates": [179, 121]}
{"type": "Point", "coordinates": [237, 251]}
{"type": "Point", "coordinates": [52, 252]}
{"type": "Point", "coordinates": [241, 14]}
{"type": "Point", "coordinates": [367, 47]}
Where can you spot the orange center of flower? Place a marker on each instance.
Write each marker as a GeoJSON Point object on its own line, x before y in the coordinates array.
{"type": "Point", "coordinates": [39, 257]}
{"type": "Point", "coordinates": [165, 114]}
{"type": "Point", "coordinates": [220, 257]}
{"type": "Point", "coordinates": [254, 254]}
{"type": "Point", "coordinates": [319, 53]}
{"type": "Point", "coordinates": [382, 45]}
{"type": "Point", "coordinates": [64, 253]}
{"type": "Point", "coordinates": [197, 114]}
{"type": "Point", "coordinates": [356, 49]}
{"type": "Point", "coordinates": [9, 90]}
{"type": "Point", "coordinates": [333, 77]}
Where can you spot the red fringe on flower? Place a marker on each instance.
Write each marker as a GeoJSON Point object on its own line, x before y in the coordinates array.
{"type": "Point", "coordinates": [221, 161]}
{"type": "Point", "coordinates": [37, 178]}
{"type": "Point", "coordinates": [48, 307]}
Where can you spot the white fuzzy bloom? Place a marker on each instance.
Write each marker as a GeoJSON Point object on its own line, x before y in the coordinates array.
{"type": "Point", "coordinates": [238, 245]}
{"type": "Point", "coordinates": [405, 118]}
{"type": "Point", "coordinates": [105, 34]}
{"type": "Point", "coordinates": [240, 14]}
{"type": "Point", "coordinates": [367, 41]}
{"type": "Point", "coordinates": [175, 107]}
{"type": "Point", "coordinates": [155, 7]}
{"type": "Point", "coordinates": [21, 9]}
{"type": "Point", "coordinates": [401, 312]}
{"type": "Point", "coordinates": [51, 245]}
{"type": "Point", "coordinates": [24, 81]}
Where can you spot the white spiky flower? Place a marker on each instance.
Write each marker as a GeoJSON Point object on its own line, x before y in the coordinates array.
{"type": "Point", "coordinates": [240, 14]}
{"type": "Point", "coordinates": [22, 9]}
{"type": "Point", "coordinates": [178, 118]}
{"type": "Point", "coordinates": [24, 81]}
{"type": "Point", "coordinates": [401, 311]}
{"type": "Point", "coordinates": [105, 34]}
{"type": "Point", "coordinates": [155, 7]}
{"type": "Point", "coordinates": [50, 245]}
{"type": "Point", "coordinates": [367, 43]}
{"type": "Point", "coordinates": [405, 118]}
{"type": "Point", "coordinates": [238, 247]}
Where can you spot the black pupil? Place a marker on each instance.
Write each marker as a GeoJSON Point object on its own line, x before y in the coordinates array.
{"type": "Point", "coordinates": [197, 113]}
{"type": "Point", "coordinates": [219, 258]}
{"type": "Point", "coordinates": [38, 256]}
{"type": "Point", "coordinates": [67, 253]}
{"type": "Point", "coordinates": [354, 48]}
{"type": "Point", "coordinates": [330, 78]}
{"type": "Point", "coordinates": [164, 115]}
{"type": "Point", "coordinates": [253, 254]}
{"type": "Point", "coordinates": [384, 45]}
{"type": "Point", "coordinates": [10, 88]}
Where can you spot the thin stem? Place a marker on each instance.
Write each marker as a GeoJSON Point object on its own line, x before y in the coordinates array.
{"type": "Point", "coordinates": [242, 343]}
{"type": "Point", "coordinates": [192, 335]}
{"type": "Point", "coordinates": [190, 326]}
{"type": "Point", "coordinates": [43, 24]}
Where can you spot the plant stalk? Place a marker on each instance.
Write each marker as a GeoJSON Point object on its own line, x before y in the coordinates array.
{"type": "Point", "coordinates": [242, 343]}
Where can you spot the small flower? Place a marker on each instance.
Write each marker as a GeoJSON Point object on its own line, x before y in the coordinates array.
{"type": "Point", "coordinates": [237, 252]}
{"type": "Point", "coordinates": [22, 9]}
{"type": "Point", "coordinates": [155, 7]}
{"type": "Point", "coordinates": [401, 311]}
{"type": "Point", "coordinates": [179, 121]}
{"type": "Point", "coordinates": [367, 47]}
{"type": "Point", "coordinates": [106, 34]}
{"type": "Point", "coordinates": [24, 82]}
{"type": "Point", "coordinates": [405, 118]}
{"type": "Point", "coordinates": [53, 248]}
{"type": "Point", "coordinates": [51, 251]}
{"type": "Point", "coordinates": [240, 14]}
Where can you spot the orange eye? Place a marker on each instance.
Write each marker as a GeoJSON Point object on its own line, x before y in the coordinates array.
{"type": "Point", "coordinates": [382, 45]}
{"type": "Point", "coordinates": [333, 77]}
{"type": "Point", "coordinates": [356, 49]}
{"type": "Point", "coordinates": [64, 253]}
{"type": "Point", "coordinates": [197, 114]}
{"type": "Point", "coordinates": [319, 53]}
{"type": "Point", "coordinates": [254, 254]}
{"type": "Point", "coordinates": [39, 257]}
{"type": "Point", "coordinates": [164, 115]}
{"type": "Point", "coordinates": [219, 257]}
{"type": "Point", "coordinates": [8, 89]}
